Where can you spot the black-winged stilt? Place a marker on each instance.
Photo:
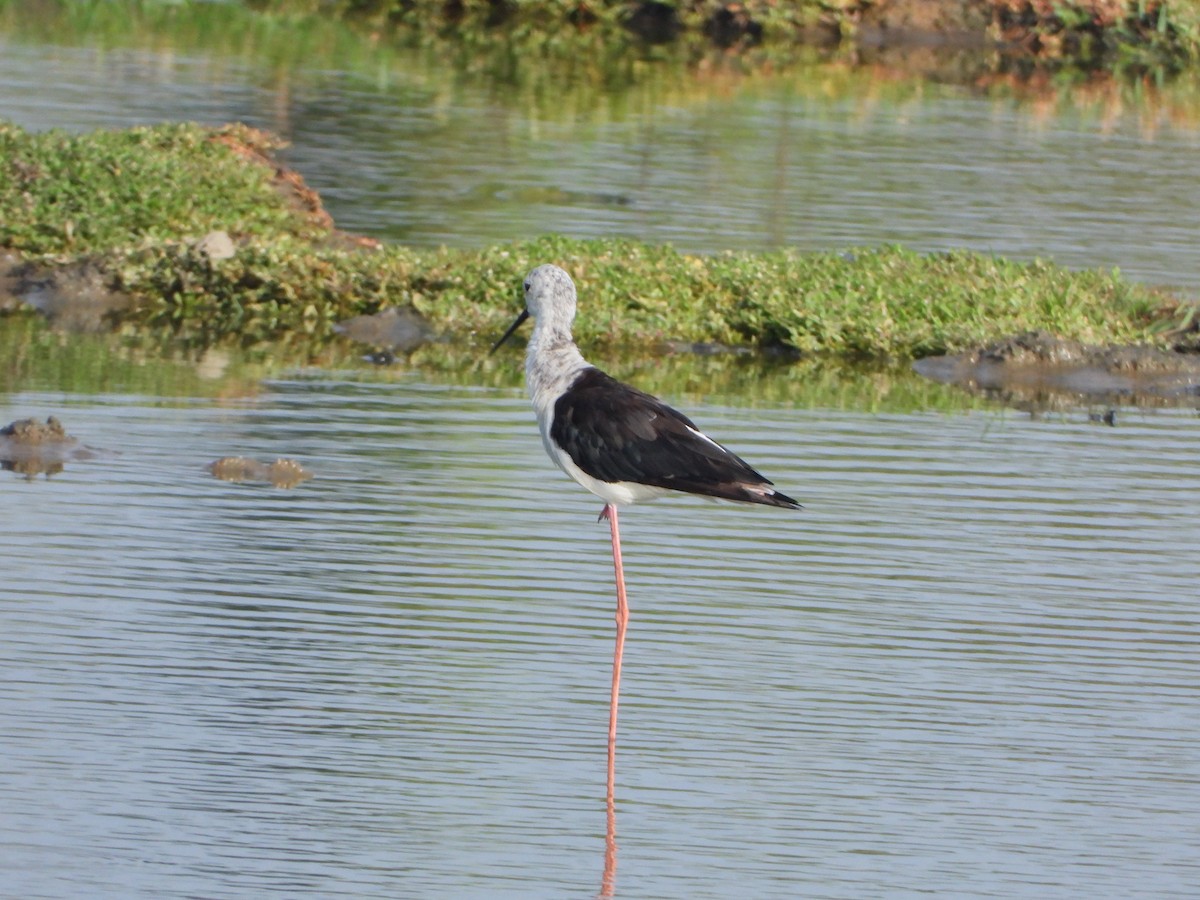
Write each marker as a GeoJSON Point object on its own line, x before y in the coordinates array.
{"type": "Point", "coordinates": [619, 443]}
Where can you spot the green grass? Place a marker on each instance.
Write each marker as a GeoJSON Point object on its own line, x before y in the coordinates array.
{"type": "Point", "coordinates": [62, 193]}
{"type": "Point", "coordinates": [870, 304]}
{"type": "Point", "coordinates": [133, 202]}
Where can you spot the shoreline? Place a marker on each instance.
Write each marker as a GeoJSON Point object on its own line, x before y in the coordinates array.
{"type": "Point", "coordinates": [189, 238]}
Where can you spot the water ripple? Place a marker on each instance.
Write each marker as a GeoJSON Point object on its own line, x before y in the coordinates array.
{"type": "Point", "coordinates": [968, 665]}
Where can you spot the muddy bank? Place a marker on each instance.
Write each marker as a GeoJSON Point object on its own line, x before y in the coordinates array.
{"type": "Point", "coordinates": [1037, 370]}
{"type": "Point", "coordinates": [79, 297]}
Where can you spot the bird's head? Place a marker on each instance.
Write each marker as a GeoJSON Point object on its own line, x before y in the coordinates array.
{"type": "Point", "coordinates": [549, 298]}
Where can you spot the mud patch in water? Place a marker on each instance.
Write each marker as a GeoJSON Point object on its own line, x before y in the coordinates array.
{"type": "Point", "coordinates": [1039, 372]}
{"type": "Point", "coordinates": [283, 473]}
{"type": "Point", "coordinates": [78, 297]}
{"type": "Point", "coordinates": [32, 448]}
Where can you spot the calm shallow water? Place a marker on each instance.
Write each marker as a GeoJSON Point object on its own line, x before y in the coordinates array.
{"type": "Point", "coordinates": [967, 667]}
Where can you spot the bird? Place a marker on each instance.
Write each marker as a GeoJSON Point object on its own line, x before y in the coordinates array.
{"type": "Point", "coordinates": [622, 444]}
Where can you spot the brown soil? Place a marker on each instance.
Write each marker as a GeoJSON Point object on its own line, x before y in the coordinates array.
{"type": "Point", "coordinates": [258, 148]}
{"type": "Point", "coordinates": [918, 22]}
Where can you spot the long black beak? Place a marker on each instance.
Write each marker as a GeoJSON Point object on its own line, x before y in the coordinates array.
{"type": "Point", "coordinates": [511, 328]}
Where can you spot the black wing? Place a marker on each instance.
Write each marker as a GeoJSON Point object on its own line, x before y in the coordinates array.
{"type": "Point", "coordinates": [616, 433]}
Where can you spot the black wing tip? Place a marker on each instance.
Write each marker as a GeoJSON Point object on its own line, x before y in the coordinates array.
{"type": "Point", "coordinates": [737, 491]}
{"type": "Point", "coordinates": [777, 499]}
{"type": "Point", "coordinates": [761, 494]}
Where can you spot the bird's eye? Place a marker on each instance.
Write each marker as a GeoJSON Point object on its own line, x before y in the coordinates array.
{"type": "Point", "coordinates": [527, 287]}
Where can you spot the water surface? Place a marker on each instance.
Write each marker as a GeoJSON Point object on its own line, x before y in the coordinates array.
{"type": "Point", "coordinates": [968, 666]}
{"type": "Point", "coordinates": [816, 158]}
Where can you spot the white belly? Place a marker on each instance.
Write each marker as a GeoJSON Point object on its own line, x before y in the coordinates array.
{"type": "Point", "coordinates": [619, 493]}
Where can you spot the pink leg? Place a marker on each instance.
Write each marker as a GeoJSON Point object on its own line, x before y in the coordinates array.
{"type": "Point", "coordinates": [610, 857]}
{"type": "Point", "coordinates": [610, 513]}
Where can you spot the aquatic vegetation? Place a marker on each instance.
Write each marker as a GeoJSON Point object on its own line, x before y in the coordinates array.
{"type": "Point", "coordinates": [134, 206]}
{"type": "Point", "coordinates": [36, 357]}
{"type": "Point", "coordinates": [33, 357]}
{"type": "Point", "coordinates": [603, 41]}
{"type": "Point", "coordinates": [1116, 32]}
{"type": "Point", "coordinates": [1087, 32]}
{"type": "Point", "coordinates": [872, 303]}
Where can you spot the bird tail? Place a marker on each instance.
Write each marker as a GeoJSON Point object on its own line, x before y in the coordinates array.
{"type": "Point", "coordinates": [768, 496]}
{"type": "Point", "coordinates": [741, 492]}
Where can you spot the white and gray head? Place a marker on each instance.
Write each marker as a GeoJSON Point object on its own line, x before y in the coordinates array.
{"type": "Point", "coordinates": [550, 296]}
{"type": "Point", "coordinates": [550, 299]}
